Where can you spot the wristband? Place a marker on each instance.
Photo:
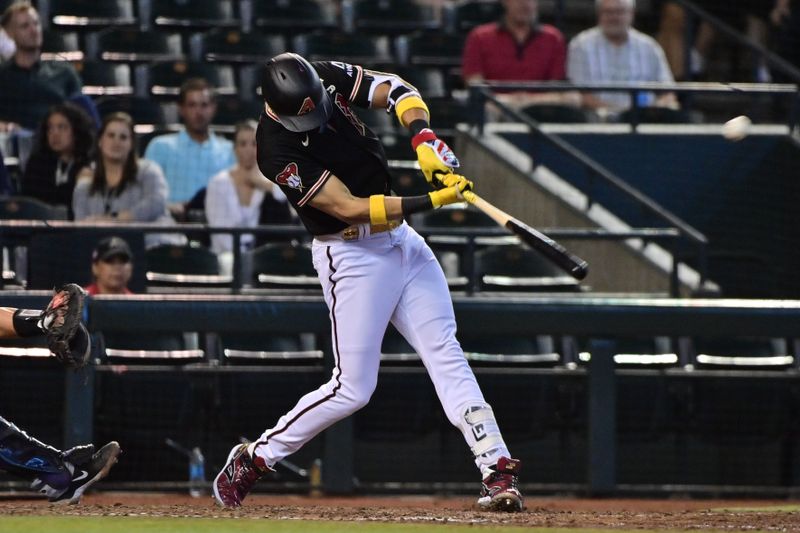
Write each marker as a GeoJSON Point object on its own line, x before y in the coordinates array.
{"type": "Point", "coordinates": [409, 102]}
{"type": "Point", "coordinates": [377, 210]}
{"type": "Point", "coordinates": [26, 322]}
{"type": "Point", "coordinates": [415, 204]}
{"type": "Point", "coordinates": [417, 125]}
{"type": "Point", "coordinates": [421, 137]}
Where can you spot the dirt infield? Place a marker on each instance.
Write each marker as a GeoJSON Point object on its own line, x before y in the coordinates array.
{"type": "Point", "coordinates": [539, 512]}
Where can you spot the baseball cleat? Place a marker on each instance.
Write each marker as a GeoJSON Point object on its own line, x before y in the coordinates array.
{"type": "Point", "coordinates": [237, 478]}
{"type": "Point", "coordinates": [499, 490]}
{"type": "Point", "coordinates": [87, 473]}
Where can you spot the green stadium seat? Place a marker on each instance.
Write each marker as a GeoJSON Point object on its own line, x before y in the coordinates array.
{"type": "Point", "coordinates": [291, 16]}
{"type": "Point", "coordinates": [133, 46]}
{"type": "Point", "coordinates": [475, 12]}
{"type": "Point", "coordinates": [283, 265]}
{"type": "Point", "coordinates": [516, 268]}
{"type": "Point", "coordinates": [346, 47]}
{"type": "Point", "coordinates": [104, 78]}
{"type": "Point", "coordinates": [91, 13]}
{"type": "Point", "coordinates": [25, 208]}
{"type": "Point", "coordinates": [61, 46]}
{"type": "Point", "coordinates": [234, 46]}
{"type": "Point", "coordinates": [147, 114]}
{"type": "Point", "coordinates": [165, 79]}
{"type": "Point", "coordinates": [183, 266]}
{"type": "Point", "coordinates": [433, 48]}
{"type": "Point", "coordinates": [556, 113]}
{"type": "Point", "coordinates": [232, 109]}
{"type": "Point", "coordinates": [194, 15]}
{"type": "Point", "coordinates": [391, 16]}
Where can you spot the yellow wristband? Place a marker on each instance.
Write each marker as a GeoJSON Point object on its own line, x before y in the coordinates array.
{"type": "Point", "coordinates": [377, 210]}
{"type": "Point", "coordinates": [444, 196]}
{"type": "Point", "coordinates": [410, 102]}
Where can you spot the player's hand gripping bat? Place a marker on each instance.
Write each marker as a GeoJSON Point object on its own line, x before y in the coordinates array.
{"type": "Point", "coordinates": [577, 267]}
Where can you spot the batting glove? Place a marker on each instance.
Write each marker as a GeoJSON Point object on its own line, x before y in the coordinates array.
{"type": "Point", "coordinates": [434, 156]}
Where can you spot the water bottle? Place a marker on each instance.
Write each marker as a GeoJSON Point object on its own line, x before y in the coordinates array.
{"type": "Point", "coordinates": [197, 473]}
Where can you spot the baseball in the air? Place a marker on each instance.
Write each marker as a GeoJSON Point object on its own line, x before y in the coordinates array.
{"type": "Point", "coordinates": [736, 128]}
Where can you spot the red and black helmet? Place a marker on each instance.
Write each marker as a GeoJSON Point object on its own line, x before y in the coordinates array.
{"type": "Point", "coordinates": [294, 93]}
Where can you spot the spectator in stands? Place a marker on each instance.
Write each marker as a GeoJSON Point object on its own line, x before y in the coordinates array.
{"type": "Point", "coordinates": [613, 52]}
{"type": "Point", "coordinates": [785, 17]}
{"type": "Point", "coordinates": [112, 267]}
{"type": "Point", "coordinates": [517, 48]}
{"type": "Point", "coordinates": [7, 46]}
{"type": "Point", "coordinates": [192, 156]}
{"type": "Point", "coordinates": [63, 147]}
{"type": "Point", "coordinates": [749, 16]}
{"type": "Point", "coordinates": [234, 196]}
{"type": "Point", "coordinates": [6, 188]}
{"type": "Point", "coordinates": [119, 187]}
{"type": "Point", "coordinates": [28, 85]}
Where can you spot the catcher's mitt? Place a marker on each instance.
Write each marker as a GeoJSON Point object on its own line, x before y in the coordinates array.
{"type": "Point", "coordinates": [67, 338]}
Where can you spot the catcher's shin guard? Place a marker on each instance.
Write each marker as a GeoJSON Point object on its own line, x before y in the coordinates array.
{"type": "Point", "coordinates": [22, 455]}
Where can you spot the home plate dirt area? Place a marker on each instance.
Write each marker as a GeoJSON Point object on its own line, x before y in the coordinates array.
{"type": "Point", "coordinates": [539, 512]}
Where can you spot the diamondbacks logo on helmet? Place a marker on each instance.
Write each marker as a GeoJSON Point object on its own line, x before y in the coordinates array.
{"type": "Point", "coordinates": [307, 107]}
{"type": "Point", "coordinates": [289, 176]}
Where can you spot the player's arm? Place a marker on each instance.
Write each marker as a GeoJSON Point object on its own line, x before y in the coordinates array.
{"type": "Point", "coordinates": [335, 199]}
{"type": "Point", "coordinates": [436, 159]}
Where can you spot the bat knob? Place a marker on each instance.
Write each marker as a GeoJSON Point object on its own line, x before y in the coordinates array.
{"type": "Point", "coordinates": [579, 271]}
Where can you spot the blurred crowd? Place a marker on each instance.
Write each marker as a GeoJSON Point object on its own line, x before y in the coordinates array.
{"type": "Point", "coordinates": [90, 166]}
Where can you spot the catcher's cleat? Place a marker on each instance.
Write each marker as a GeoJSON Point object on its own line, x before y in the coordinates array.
{"type": "Point", "coordinates": [87, 473]}
{"type": "Point", "coordinates": [237, 478]}
{"type": "Point", "coordinates": [499, 491]}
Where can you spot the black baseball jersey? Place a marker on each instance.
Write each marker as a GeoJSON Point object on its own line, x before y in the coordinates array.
{"type": "Point", "coordinates": [301, 163]}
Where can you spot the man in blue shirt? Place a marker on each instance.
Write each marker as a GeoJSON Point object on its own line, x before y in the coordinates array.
{"type": "Point", "coordinates": [192, 156]}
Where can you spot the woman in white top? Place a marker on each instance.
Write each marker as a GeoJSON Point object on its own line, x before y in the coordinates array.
{"type": "Point", "coordinates": [234, 196]}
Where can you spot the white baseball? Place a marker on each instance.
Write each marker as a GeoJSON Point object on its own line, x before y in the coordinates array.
{"type": "Point", "coordinates": [736, 128]}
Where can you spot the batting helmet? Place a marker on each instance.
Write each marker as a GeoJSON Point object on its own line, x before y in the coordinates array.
{"type": "Point", "coordinates": [293, 91]}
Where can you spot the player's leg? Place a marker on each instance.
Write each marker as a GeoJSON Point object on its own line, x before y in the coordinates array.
{"type": "Point", "coordinates": [361, 287]}
{"type": "Point", "coordinates": [425, 317]}
{"type": "Point", "coordinates": [7, 323]}
{"type": "Point", "coordinates": [62, 476]}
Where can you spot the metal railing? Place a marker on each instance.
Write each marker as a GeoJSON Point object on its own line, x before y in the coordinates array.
{"type": "Point", "coordinates": [481, 94]}
{"type": "Point", "coordinates": [19, 232]}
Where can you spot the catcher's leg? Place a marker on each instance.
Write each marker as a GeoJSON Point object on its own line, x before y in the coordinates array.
{"type": "Point", "coordinates": [22, 455]}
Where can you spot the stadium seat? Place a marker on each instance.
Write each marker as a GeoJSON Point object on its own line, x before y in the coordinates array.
{"type": "Point", "coordinates": [103, 78]}
{"type": "Point", "coordinates": [429, 81]}
{"type": "Point", "coordinates": [135, 46]}
{"type": "Point", "coordinates": [61, 46]}
{"type": "Point", "coordinates": [515, 268]}
{"type": "Point", "coordinates": [232, 109]}
{"type": "Point", "coordinates": [655, 115]}
{"type": "Point", "coordinates": [263, 348]}
{"type": "Point", "coordinates": [165, 79]}
{"type": "Point", "coordinates": [474, 12]}
{"type": "Point", "coordinates": [25, 208]}
{"type": "Point", "coordinates": [291, 16]}
{"type": "Point", "coordinates": [233, 46]}
{"type": "Point", "coordinates": [556, 113]}
{"type": "Point", "coordinates": [91, 13]}
{"type": "Point", "coordinates": [283, 265]}
{"type": "Point", "coordinates": [509, 351]}
{"type": "Point", "coordinates": [183, 266]}
{"type": "Point", "coordinates": [147, 114]}
{"type": "Point", "coordinates": [408, 181]}
{"type": "Point", "coordinates": [642, 352]}
{"type": "Point", "coordinates": [447, 113]}
{"type": "Point", "coordinates": [391, 16]}
{"type": "Point", "coordinates": [346, 47]}
{"type": "Point", "coordinates": [741, 353]}
{"type": "Point", "coordinates": [194, 15]}
{"type": "Point", "coordinates": [156, 347]}
{"type": "Point", "coordinates": [432, 48]}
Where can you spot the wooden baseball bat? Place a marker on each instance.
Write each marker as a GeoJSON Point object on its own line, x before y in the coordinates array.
{"type": "Point", "coordinates": [574, 265]}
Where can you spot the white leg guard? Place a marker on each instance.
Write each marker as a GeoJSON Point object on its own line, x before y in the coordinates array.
{"type": "Point", "coordinates": [482, 435]}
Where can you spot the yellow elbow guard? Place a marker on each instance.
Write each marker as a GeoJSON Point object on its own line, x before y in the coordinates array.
{"type": "Point", "coordinates": [410, 102]}
{"type": "Point", "coordinates": [377, 210]}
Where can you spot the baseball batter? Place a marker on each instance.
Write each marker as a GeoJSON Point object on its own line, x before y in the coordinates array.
{"type": "Point", "coordinates": [62, 476]}
{"type": "Point", "coordinates": [373, 267]}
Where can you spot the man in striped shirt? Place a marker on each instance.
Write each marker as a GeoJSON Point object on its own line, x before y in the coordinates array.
{"type": "Point", "coordinates": [614, 52]}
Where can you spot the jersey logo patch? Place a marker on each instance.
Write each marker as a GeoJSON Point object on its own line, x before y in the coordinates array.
{"type": "Point", "coordinates": [344, 107]}
{"type": "Point", "coordinates": [307, 107]}
{"type": "Point", "coordinates": [289, 176]}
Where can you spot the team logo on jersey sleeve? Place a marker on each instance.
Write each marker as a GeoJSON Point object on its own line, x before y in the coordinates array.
{"type": "Point", "coordinates": [307, 106]}
{"type": "Point", "coordinates": [344, 107]}
{"type": "Point", "coordinates": [290, 177]}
